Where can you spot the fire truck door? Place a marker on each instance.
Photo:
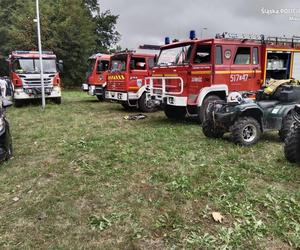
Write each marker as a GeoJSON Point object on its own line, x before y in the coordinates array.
{"type": "Point", "coordinates": [201, 72]}
{"type": "Point", "coordinates": [138, 72]}
{"type": "Point", "coordinates": [245, 70]}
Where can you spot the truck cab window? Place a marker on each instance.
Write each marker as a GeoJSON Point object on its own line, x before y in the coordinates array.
{"type": "Point", "coordinates": [203, 54]}
{"type": "Point", "coordinates": [219, 59]}
{"type": "Point", "coordinates": [242, 56]}
{"type": "Point", "coordinates": [102, 66]}
{"type": "Point", "coordinates": [138, 64]}
{"type": "Point", "coordinates": [255, 56]}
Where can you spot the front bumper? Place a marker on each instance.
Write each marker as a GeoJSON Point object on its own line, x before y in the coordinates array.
{"type": "Point", "coordinates": [116, 96]}
{"type": "Point", "coordinates": [34, 93]}
{"type": "Point", "coordinates": [92, 89]}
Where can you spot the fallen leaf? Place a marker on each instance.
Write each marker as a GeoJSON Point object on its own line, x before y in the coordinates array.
{"type": "Point", "coordinates": [217, 216]}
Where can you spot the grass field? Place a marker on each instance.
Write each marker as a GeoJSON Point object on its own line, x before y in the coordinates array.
{"type": "Point", "coordinates": [82, 177]}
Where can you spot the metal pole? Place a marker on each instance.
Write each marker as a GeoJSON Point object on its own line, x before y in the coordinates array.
{"type": "Point", "coordinates": [40, 53]}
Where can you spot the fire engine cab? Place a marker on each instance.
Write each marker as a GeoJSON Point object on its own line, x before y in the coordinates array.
{"type": "Point", "coordinates": [126, 79]}
{"type": "Point", "coordinates": [97, 76]}
{"type": "Point", "coordinates": [24, 67]}
{"type": "Point", "coordinates": [190, 74]}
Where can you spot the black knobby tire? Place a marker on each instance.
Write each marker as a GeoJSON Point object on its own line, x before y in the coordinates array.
{"type": "Point", "coordinates": [9, 153]}
{"type": "Point", "coordinates": [287, 123]}
{"type": "Point", "coordinates": [246, 131]}
{"type": "Point", "coordinates": [210, 131]}
{"type": "Point", "coordinates": [57, 100]}
{"type": "Point", "coordinates": [144, 105]}
{"type": "Point", "coordinates": [203, 109]}
{"type": "Point", "coordinates": [292, 145]}
{"type": "Point", "coordinates": [175, 112]}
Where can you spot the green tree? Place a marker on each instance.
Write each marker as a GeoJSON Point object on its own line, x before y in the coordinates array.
{"type": "Point", "coordinates": [69, 28]}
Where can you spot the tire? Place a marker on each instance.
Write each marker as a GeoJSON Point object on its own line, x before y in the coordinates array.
{"type": "Point", "coordinates": [292, 145]}
{"type": "Point", "coordinates": [18, 103]}
{"type": "Point", "coordinates": [175, 113]}
{"type": "Point", "coordinates": [246, 131]}
{"type": "Point", "coordinates": [101, 98]}
{"type": "Point", "coordinates": [211, 132]}
{"type": "Point", "coordinates": [145, 106]}
{"type": "Point", "coordinates": [9, 153]}
{"type": "Point", "coordinates": [126, 106]}
{"type": "Point", "coordinates": [57, 100]}
{"type": "Point", "coordinates": [203, 108]}
{"type": "Point", "coordinates": [287, 123]}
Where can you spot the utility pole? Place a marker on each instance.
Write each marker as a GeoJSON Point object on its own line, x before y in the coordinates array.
{"type": "Point", "coordinates": [40, 53]}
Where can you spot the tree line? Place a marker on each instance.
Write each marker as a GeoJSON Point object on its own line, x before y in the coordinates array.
{"type": "Point", "coordinates": [72, 29]}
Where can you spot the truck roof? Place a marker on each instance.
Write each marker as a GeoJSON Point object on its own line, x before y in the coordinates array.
{"type": "Point", "coordinates": [32, 54]}
{"type": "Point", "coordinates": [231, 41]}
{"type": "Point", "coordinates": [133, 53]}
{"type": "Point", "coordinates": [100, 55]}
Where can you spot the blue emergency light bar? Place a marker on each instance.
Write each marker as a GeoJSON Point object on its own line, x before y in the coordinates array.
{"type": "Point", "coordinates": [192, 34]}
{"type": "Point", "coordinates": [167, 40]}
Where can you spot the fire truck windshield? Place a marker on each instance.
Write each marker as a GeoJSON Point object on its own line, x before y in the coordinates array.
{"type": "Point", "coordinates": [32, 65]}
{"type": "Point", "coordinates": [91, 65]}
{"type": "Point", "coordinates": [118, 63]}
{"type": "Point", "coordinates": [175, 56]}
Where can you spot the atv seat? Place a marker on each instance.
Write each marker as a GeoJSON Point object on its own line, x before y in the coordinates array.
{"type": "Point", "coordinates": [267, 104]}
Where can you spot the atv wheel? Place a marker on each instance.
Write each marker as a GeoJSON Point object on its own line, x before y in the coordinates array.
{"type": "Point", "coordinates": [292, 145]}
{"type": "Point", "coordinates": [9, 153]}
{"type": "Point", "coordinates": [203, 109]}
{"type": "Point", "coordinates": [145, 105]}
{"type": "Point", "coordinates": [246, 131]}
{"type": "Point", "coordinates": [287, 123]}
{"type": "Point", "coordinates": [211, 132]}
{"type": "Point", "coordinates": [175, 112]}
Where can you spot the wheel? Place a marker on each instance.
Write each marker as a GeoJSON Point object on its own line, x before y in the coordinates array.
{"type": "Point", "coordinates": [175, 112]}
{"type": "Point", "coordinates": [145, 105]}
{"type": "Point", "coordinates": [246, 131]}
{"type": "Point", "coordinates": [292, 145]}
{"type": "Point", "coordinates": [209, 130]}
{"type": "Point", "coordinates": [9, 153]}
{"type": "Point", "coordinates": [287, 123]}
{"type": "Point", "coordinates": [57, 100]}
{"type": "Point", "coordinates": [18, 103]}
{"type": "Point", "coordinates": [101, 98]}
{"type": "Point", "coordinates": [126, 106]}
{"type": "Point", "coordinates": [202, 110]}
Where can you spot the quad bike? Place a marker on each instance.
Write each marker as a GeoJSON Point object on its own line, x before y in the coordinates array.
{"type": "Point", "coordinates": [247, 119]}
{"type": "Point", "coordinates": [292, 141]}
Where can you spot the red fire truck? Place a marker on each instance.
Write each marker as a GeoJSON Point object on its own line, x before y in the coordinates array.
{"type": "Point", "coordinates": [97, 76]}
{"type": "Point", "coordinates": [126, 79]}
{"type": "Point", "coordinates": [190, 74]}
{"type": "Point", "coordinates": [24, 70]}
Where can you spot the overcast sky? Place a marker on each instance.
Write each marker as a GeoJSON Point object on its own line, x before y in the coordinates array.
{"type": "Point", "coordinates": [148, 22]}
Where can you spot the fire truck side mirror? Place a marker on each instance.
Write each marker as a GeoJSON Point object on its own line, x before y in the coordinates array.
{"type": "Point", "coordinates": [60, 66]}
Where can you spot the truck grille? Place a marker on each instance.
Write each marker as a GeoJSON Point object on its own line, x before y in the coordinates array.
{"type": "Point", "coordinates": [37, 82]}
{"type": "Point", "coordinates": [117, 86]}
